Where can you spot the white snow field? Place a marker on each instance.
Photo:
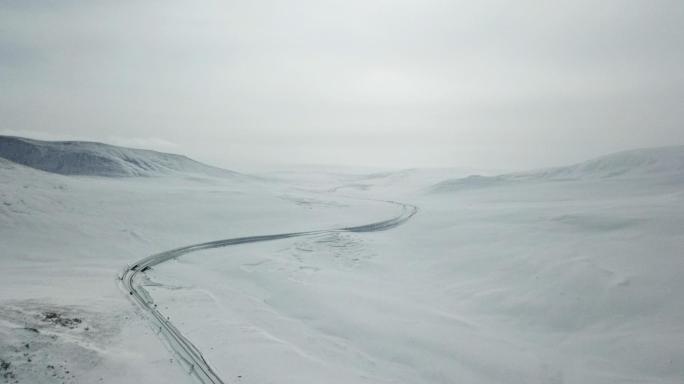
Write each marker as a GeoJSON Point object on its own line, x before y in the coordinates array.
{"type": "Point", "coordinates": [569, 275]}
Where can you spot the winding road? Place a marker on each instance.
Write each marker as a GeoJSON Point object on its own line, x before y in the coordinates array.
{"type": "Point", "coordinates": [185, 350]}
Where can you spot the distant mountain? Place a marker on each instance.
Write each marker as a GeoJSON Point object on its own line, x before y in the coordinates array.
{"type": "Point", "coordinates": [97, 159]}
{"type": "Point", "coordinates": [637, 163]}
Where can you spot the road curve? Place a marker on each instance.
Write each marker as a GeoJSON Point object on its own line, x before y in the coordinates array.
{"type": "Point", "coordinates": [186, 352]}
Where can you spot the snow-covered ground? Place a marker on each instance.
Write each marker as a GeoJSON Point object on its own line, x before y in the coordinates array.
{"type": "Point", "coordinates": [65, 238]}
{"type": "Point", "coordinates": [571, 275]}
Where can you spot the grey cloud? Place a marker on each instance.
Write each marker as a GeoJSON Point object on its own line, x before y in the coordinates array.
{"type": "Point", "coordinates": [390, 83]}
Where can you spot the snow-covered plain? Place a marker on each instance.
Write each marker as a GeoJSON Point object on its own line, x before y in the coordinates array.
{"type": "Point", "coordinates": [569, 278]}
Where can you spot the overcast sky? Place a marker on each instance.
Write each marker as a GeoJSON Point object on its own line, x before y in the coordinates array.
{"type": "Point", "coordinates": [494, 84]}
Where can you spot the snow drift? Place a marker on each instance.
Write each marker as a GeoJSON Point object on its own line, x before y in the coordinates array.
{"type": "Point", "coordinates": [97, 159]}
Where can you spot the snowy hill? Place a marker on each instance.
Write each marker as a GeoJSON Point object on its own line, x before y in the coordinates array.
{"type": "Point", "coordinates": [632, 164]}
{"type": "Point", "coordinates": [97, 159]}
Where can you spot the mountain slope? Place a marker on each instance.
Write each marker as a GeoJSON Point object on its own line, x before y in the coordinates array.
{"type": "Point", "coordinates": [665, 162]}
{"type": "Point", "coordinates": [97, 159]}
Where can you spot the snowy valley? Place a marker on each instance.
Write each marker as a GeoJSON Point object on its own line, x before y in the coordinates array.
{"type": "Point", "coordinates": [564, 275]}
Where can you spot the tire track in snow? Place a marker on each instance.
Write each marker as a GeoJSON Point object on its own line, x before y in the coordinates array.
{"type": "Point", "coordinates": [185, 350]}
